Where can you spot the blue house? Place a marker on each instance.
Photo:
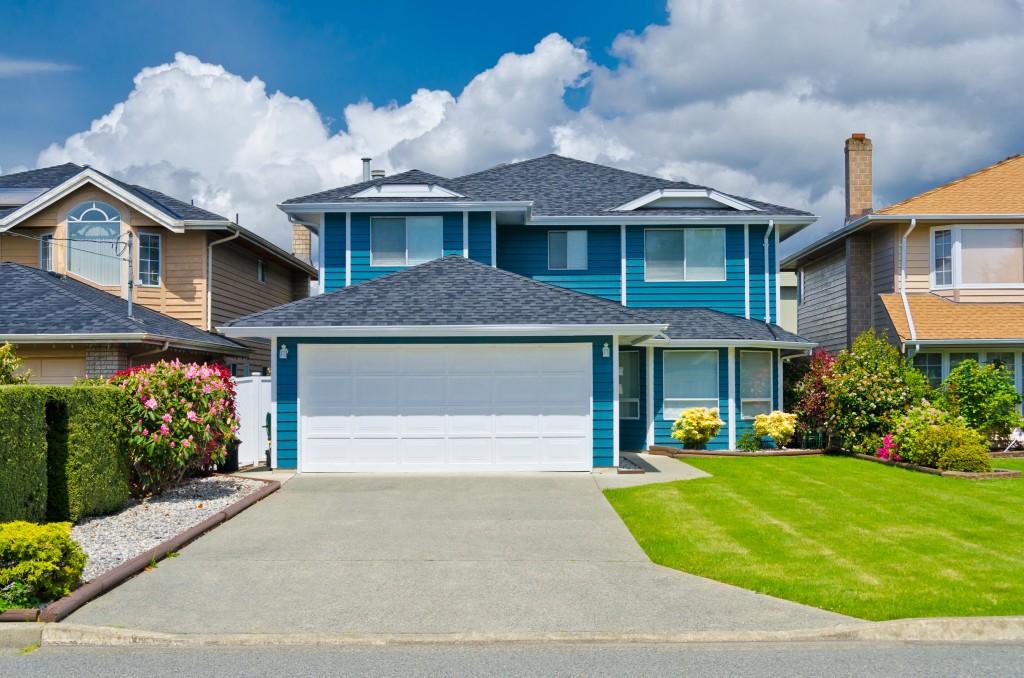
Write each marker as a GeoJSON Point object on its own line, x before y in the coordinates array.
{"type": "Point", "coordinates": [540, 315]}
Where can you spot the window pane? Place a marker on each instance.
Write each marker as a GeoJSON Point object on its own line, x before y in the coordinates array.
{"type": "Point", "coordinates": [992, 256]}
{"type": "Point", "coordinates": [705, 254]}
{"type": "Point", "coordinates": [576, 250]}
{"type": "Point", "coordinates": [1006, 359]}
{"type": "Point", "coordinates": [755, 383]}
{"type": "Point", "coordinates": [149, 259]}
{"type": "Point", "coordinates": [629, 374]}
{"type": "Point", "coordinates": [956, 358]}
{"type": "Point", "coordinates": [663, 255]}
{"type": "Point", "coordinates": [387, 242]}
{"type": "Point", "coordinates": [629, 409]}
{"type": "Point", "coordinates": [930, 364]}
{"type": "Point", "coordinates": [558, 255]}
{"type": "Point", "coordinates": [93, 232]}
{"type": "Point", "coordinates": [46, 252]}
{"type": "Point", "coordinates": [943, 257]}
{"type": "Point", "coordinates": [690, 380]}
{"type": "Point", "coordinates": [425, 239]}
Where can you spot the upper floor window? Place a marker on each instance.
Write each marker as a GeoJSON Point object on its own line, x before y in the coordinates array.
{"type": "Point", "coordinates": [968, 256]}
{"type": "Point", "coordinates": [46, 251]}
{"type": "Point", "coordinates": [567, 250]}
{"type": "Point", "coordinates": [149, 259]}
{"type": "Point", "coordinates": [261, 270]}
{"type": "Point", "coordinates": [93, 246]}
{"type": "Point", "coordinates": [405, 241]}
{"type": "Point", "coordinates": [684, 254]}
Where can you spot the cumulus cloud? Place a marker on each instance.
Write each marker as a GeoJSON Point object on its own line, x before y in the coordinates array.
{"type": "Point", "coordinates": [753, 98]}
{"type": "Point", "coordinates": [13, 68]}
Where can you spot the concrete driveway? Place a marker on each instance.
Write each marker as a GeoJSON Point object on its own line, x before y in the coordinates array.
{"type": "Point", "coordinates": [432, 554]}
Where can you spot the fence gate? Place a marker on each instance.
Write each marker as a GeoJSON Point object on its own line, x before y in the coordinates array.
{"type": "Point", "coordinates": [252, 401]}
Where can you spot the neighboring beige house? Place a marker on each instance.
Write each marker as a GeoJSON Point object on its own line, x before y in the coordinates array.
{"type": "Point", "coordinates": [187, 263]}
{"type": "Point", "coordinates": [942, 272]}
{"type": "Point", "coordinates": [788, 301]}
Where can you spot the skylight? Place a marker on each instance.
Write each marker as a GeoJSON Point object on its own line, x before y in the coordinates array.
{"type": "Point", "coordinates": [406, 191]}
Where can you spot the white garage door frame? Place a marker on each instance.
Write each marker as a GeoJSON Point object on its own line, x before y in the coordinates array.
{"type": "Point", "coordinates": [578, 431]}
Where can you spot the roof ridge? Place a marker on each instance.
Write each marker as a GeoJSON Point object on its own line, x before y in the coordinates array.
{"type": "Point", "coordinates": [983, 170]}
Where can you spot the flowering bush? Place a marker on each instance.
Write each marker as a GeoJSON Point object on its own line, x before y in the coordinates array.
{"type": "Point", "coordinates": [182, 416]}
{"type": "Point", "coordinates": [866, 389]}
{"type": "Point", "coordinates": [697, 425]}
{"type": "Point", "coordinates": [984, 396]}
{"type": "Point", "coordinates": [811, 394]}
{"type": "Point", "coordinates": [910, 427]}
{"type": "Point", "coordinates": [888, 449]}
{"type": "Point", "coordinates": [779, 426]}
{"type": "Point", "coordinates": [9, 364]}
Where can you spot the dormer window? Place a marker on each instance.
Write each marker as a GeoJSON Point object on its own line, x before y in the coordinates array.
{"type": "Point", "coordinates": [93, 232]}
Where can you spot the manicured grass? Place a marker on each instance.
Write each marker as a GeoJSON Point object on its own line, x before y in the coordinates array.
{"type": "Point", "coordinates": [861, 539]}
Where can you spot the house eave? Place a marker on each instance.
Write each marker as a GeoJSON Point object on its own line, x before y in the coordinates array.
{"type": "Point", "coordinates": [398, 206]}
{"type": "Point", "coordinates": [729, 343]}
{"type": "Point", "coordinates": [367, 331]}
{"type": "Point", "coordinates": [655, 219]}
{"type": "Point", "coordinates": [952, 343]}
{"type": "Point", "coordinates": [121, 338]}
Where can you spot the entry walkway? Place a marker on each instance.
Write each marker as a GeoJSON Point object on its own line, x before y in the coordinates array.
{"type": "Point", "coordinates": [432, 554]}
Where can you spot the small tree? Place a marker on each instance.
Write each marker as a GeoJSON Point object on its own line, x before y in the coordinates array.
{"type": "Point", "coordinates": [984, 396]}
{"type": "Point", "coordinates": [811, 394]}
{"type": "Point", "coordinates": [9, 364]}
{"type": "Point", "coordinates": [697, 425]}
{"type": "Point", "coordinates": [866, 389]}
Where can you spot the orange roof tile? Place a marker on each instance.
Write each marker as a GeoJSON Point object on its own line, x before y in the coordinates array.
{"type": "Point", "coordinates": [998, 189]}
{"type": "Point", "coordinates": [936, 318]}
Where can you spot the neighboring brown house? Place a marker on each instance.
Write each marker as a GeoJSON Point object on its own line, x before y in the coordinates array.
{"type": "Point", "coordinates": [187, 263]}
{"type": "Point", "coordinates": [941, 272]}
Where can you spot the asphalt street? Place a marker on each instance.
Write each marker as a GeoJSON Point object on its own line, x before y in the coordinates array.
{"type": "Point", "coordinates": [874, 660]}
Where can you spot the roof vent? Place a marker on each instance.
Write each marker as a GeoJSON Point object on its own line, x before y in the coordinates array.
{"type": "Point", "coordinates": [377, 174]}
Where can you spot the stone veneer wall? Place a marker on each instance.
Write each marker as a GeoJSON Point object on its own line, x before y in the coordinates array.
{"type": "Point", "coordinates": [105, 359]}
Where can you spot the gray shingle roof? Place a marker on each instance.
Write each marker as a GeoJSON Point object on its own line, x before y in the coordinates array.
{"type": "Point", "coordinates": [704, 323]}
{"type": "Point", "coordinates": [343, 193]}
{"type": "Point", "coordinates": [46, 177]}
{"type": "Point", "coordinates": [558, 186]}
{"type": "Point", "coordinates": [37, 302]}
{"type": "Point", "coordinates": [447, 291]}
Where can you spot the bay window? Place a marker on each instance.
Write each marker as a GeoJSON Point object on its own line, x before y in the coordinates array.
{"type": "Point", "coordinates": [690, 379]}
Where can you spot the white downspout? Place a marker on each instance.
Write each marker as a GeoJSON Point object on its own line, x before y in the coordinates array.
{"type": "Point", "coordinates": [209, 277]}
{"type": "Point", "coordinates": [903, 279]}
{"type": "Point", "coordinates": [767, 294]}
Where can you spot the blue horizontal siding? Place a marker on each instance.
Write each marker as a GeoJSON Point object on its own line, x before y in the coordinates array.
{"type": "Point", "coordinates": [480, 237]}
{"type": "Point", "coordinates": [333, 242]}
{"type": "Point", "coordinates": [524, 250]}
{"type": "Point", "coordinates": [757, 273]}
{"type": "Point", "coordinates": [286, 376]}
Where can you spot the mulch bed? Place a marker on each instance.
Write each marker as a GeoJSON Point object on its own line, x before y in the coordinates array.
{"type": "Point", "coordinates": [995, 474]}
{"type": "Point", "coordinates": [678, 452]}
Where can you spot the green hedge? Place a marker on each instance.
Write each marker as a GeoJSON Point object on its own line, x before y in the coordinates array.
{"type": "Point", "coordinates": [38, 563]}
{"type": "Point", "coordinates": [87, 452]}
{"type": "Point", "coordinates": [22, 453]}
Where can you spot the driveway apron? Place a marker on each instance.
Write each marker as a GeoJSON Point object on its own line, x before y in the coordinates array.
{"type": "Point", "coordinates": [432, 554]}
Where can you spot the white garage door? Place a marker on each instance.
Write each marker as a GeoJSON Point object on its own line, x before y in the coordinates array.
{"type": "Point", "coordinates": [445, 408]}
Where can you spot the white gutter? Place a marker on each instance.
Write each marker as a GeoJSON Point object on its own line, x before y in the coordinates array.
{"type": "Point", "coordinates": [736, 343]}
{"type": "Point", "coordinates": [209, 277]}
{"type": "Point", "coordinates": [441, 330]}
{"type": "Point", "coordinates": [903, 279]}
{"type": "Point", "coordinates": [655, 219]}
{"type": "Point", "coordinates": [398, 206]}
{"type": "Point", "coordinates": [107, 338]}
{"type": "Point", "coordinates": [968, 342]}
{"type": "Point", "coordinates": [308, 224]}
{"type": "Point", "coordinates": [767, 294]}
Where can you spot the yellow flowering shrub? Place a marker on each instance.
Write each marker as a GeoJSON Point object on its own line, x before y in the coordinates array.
{"type": "Point", "coordinates": [697, 425]}
{"type": "Point", "coordinates": [779, 426]}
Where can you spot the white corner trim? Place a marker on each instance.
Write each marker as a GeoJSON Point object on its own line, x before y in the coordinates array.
{"type": "Point", "coordinates": [348, 249]}
{"type": "Point", "coordinates": [778, 384]}
{"type": "Point", "coordinates": [732, 396]}
{"type": "Point", "coordinates": [622, 264]}
{"type": "Point", "coordinates": [746, 270]}
{"type": "Point", "coordinates": [767, 294]}
{"type": "Point", "coordinates": [321, 251]}
{"type": "Point", "coordinates": [697, 197]}
{"type": "Point", "coordinates": [615, 401]}
{"type": "Point", "coordinates": [494, 239]}
{"type": "Point", "coordinates": [778, 278]}
{"type": "Point", "coordinates": [273, 402]}
{"type": "Point", "coordinates": [465, 235]}
{"type": "Point", "coordinates": [650, 396]}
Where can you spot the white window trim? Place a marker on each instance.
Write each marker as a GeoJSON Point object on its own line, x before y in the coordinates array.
{"type": "Point", "coordinates": [958, 283]}
{"type": "Point", "coordinates": [261, 271]}
{"type": "Point", "coordinates": [771, 386]}
{"type": "Point", "coordinates": [586, 251]}
{"type": "Point", "coordinates": [160, 255]}
{"type": "Point", "coordinates": [718, 379]}
{"type": "Point", "coordinates": [405, 225]}
{"type": "Point", "coordinates": [639, 358]}
{"type": "Point", "coordinates": [46, 241]}
{"type": "Point", "coordinates": [684, 279]}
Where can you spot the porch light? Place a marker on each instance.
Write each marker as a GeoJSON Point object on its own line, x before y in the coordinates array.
{"type": "Point", "coordinates": [283, 353]}
{"type": "Point", "coordinates": [605, 351]}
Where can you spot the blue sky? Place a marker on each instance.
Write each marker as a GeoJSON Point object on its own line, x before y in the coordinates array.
{"type": "Point", "coordinates": [241, 105]}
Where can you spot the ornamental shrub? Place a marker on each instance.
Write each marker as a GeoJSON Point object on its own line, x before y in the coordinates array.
{"type": "Point", "coordinates": [866, 389]}
{"type": "Point", "coordinates": [750, 442]}
{"type": "Point", "coordinates": [968, 458]}
{"type": "Point", "coordinates": [984, 396]}
{"type": "Point", "coordinates": [181, 416]}
{"type": "Point", "coordinates": [697, 425]}
{"type": "Point", "coordinates": [38, 563]}
{"type": "Point", "coordinates": [934, 440]}
{"type": "Point", "coordinates": [22, 453]}
{"type": "Point", "coordinates": [908, 429]}
{"type": "Point", "coordinates": [9, 364]}
{"type": "Point", "coordinates": [810, 393]}
{"type": "Point", "coordinates": [779, 426]}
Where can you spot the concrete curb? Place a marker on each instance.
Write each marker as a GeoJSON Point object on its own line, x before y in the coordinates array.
{"type": "Point", "coordinates": [951, 629]}
{"type": "Point", "coordinates": [59, 609]}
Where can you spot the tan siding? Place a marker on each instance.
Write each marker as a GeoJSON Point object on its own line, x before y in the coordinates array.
{"type": "Point", "coordinates": [20, 250]}
{"type": "Point", "coordinates": [918, 259]}
{"type": "Point", "coordinates": [821, 315]}
{"type": "Point", "coordinates": [182, 293]}
{"type": "Point", "coordinates": [55, 366]}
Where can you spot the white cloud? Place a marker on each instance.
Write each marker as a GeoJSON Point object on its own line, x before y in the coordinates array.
{"type": "Point", "coordinates": [753, 98]}
{"type": "Point", "coordinates": [13, 68]}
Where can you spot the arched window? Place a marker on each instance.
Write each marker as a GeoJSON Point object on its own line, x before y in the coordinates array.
{"type": "Point", "coordinates": [93, 232]}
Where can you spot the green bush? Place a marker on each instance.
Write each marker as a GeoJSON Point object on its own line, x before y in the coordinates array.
{"type": "Point", "coordinates": [866, 389]}
{"type": "Point", "coordinates": [984, 396]}
{"type": "Point", "coordinates": [936, 440]}
{"type": "Point", "coordinates": [9, 364]}
{"type": "Point", "coordinates": [969, 458]}
{"type": "Point", "coordinates": [22, 453]}
{"type": "Point", "coordinates": [38, 563]}
{"type": "Point", "coordinates": [87, 457]}
{"type": "Point", "coordinates": [750, 442]}
{"type": "Point", "coordinates": [912, 425]}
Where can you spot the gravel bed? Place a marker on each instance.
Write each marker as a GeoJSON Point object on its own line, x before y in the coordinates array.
{"type": "Point", "coordinates": [627, 465]}
{"type": "Point", "coordinates": [111, 540]}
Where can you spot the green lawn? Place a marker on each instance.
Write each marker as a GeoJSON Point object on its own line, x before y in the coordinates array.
{"type": "Point", "coordinates": [862, 539]}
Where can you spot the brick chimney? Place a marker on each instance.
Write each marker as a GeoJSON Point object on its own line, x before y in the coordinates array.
{"type": "Point", "coordinates": [301, 238]}
{"type": "Point", "coordinates": [858, 176]}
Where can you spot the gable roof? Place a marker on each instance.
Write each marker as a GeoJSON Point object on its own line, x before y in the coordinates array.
{"type": "Point", "coordinates": [50, 307]}
{"type": "Point", "coordinates": [448, 292]}
{"type": "Point", "coordinates": [45, 177]}
{"type": "Point", "coordinates": [941, 320]}
{"type": "Point", "coordinates": [554, 186]}
{"type": "Point", "coordinates": [996, 189]}
{"type": "Point", "coordinates": [685, 324]}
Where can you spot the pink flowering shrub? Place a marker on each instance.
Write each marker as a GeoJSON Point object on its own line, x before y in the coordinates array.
{"type": "Point", "coordinates": [888, 449]}
{"type": "Point", "coordinates": [182, 417]}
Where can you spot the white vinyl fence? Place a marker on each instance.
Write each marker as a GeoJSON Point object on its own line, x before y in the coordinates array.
{"type": "Point", "coordinates": [252, 401]}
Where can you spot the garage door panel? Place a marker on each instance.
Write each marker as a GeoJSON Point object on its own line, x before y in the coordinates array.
{"type": "Point", "coordinates": [421, 362]}
{"type": "Point", "coordinates": [423, 390]}
{"type": "Point", "coordinates": [331, 392]}
{"type": "Point", "coordinates": [476, 451]}
{"type": "Point", "coordinates": [428, 451]}
{"type": "Point", "coordinates": [422, 420]}
{"type": "Point", "coordinates": [470, 362]}
{"type": "Point", "coordinates": [516, 421]}
{"type": "Point", "coordinates": [519, 360]}
{"type": "Point", "coordinates": [371, 360]}
{"type": "Point", "coordinates": [518, 452]}
{"type": "Point", "coordinates": [374, 422]}
{"type": "Point", "coordinates": [328, 451]}
{"type": "Point", "coordinates": [564, 450]}
{"type": "Point", "coordinates": [376, 452]}
{"type": "Point", "coordinates": [469, 390]}
{"type": "Point", "coordinates": [563, 360]}
{"type": "Point", "coordinates": [465, 420]}
{"type": "Point", "coordinates": [375, 389]}
{"type": "Point", "coordinates": [564, 421]}
{"type": "Point", "coordinates": [516, 388]}
{"type": "Point", "coordinates": [328, 422]}
{"type": "Point", "coordinates": [564, 389]}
